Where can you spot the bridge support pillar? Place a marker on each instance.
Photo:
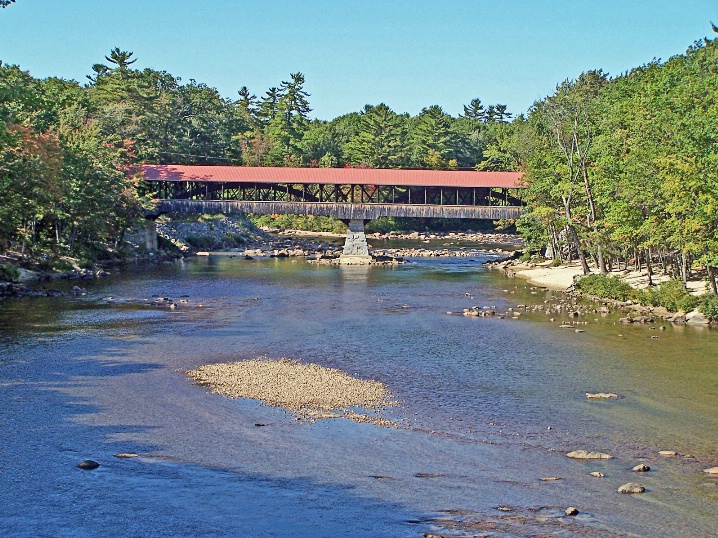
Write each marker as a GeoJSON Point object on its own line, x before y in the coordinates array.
{"type": "Point", "coordinates": [356, 250]}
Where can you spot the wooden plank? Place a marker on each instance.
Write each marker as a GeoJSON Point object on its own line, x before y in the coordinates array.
{"type": "Point", "coordinates": [340, 210]}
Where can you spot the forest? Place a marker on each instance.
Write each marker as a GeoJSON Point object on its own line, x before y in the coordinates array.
{"type": "Point", "coordinates": [619, 169]}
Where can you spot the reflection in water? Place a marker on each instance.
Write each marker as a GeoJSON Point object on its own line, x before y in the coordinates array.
{"type": "Point", "coordinates": [83, 377]}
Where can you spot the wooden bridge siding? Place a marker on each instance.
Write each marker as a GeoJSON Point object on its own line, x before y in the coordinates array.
{"type": "Point", "coordinates": [340, 210]}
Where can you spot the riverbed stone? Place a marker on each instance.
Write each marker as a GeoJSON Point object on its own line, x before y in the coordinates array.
{"type": "Point", "coordinates": [601, 395]}
{"type": "Point", "coordinates": [631, 488]}
{"type": "Point", "coordinates": [588, 455]}
{"type": "Point", "coordinates": [696, 318]}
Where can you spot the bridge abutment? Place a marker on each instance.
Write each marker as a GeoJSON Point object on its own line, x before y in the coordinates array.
{"type": "Point", "coordinates": [356, 249]}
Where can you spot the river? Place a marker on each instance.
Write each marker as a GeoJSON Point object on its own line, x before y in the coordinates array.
{"type": "Point", "coordinates": [489, 407]}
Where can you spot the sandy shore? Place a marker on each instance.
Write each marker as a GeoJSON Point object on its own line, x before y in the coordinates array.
{"type": "Point", "coordinates": [309, 391]}
{"type": "Point", "coordinates": [562, 277]}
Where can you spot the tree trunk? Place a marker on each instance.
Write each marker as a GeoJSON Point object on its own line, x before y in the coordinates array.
{"type": "Point", "coordinates": [684, 267]}
{"type": "Point", "coordinates": [649, 267]}
{"type": "Point", "coordinates": [712, 279]}
{"type": "Point", "coordinates": [601, 260]}
{"type": "Point", "coordinates": [577, 243]}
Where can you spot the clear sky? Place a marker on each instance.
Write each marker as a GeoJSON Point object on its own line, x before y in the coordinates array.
{"type": "Point", "coordinates": [408, 54]}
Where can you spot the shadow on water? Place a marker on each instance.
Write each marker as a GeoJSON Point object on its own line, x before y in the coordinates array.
{"type": "Point", "coordinates": [51, 421]}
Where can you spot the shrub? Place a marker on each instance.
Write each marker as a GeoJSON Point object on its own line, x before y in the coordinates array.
{"type": "Point", "coordinates": [709, 307]}
{"type": "Point", "coordinates": [63, 266]}
{"type": "Point", "coordinates": [201, 241]}
{"type": "Point", "coordinates": [232, 239]}
{"type": "Point", "coordinates": [9, 273]}
{"type": "Point", "coordinates": [606, 287]}
{"type": "Point", "coordinates": [671, 295]}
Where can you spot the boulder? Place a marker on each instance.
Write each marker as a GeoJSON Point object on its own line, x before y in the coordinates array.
{"type": "Point", "coordinates": [696, 318]}
{"type": "Point", "coordinates": [631, 488]}
{"type": "Point", "coordinates": [88, 465]}
{"type": "Point", "coordinates": [571, 511]}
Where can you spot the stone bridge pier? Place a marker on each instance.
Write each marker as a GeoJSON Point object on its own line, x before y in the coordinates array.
{"type": "Point", "coordinates": [356, 250]}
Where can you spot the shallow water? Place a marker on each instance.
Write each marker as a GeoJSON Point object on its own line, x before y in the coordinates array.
{"type": "Point", "coordinates": [88, 378]}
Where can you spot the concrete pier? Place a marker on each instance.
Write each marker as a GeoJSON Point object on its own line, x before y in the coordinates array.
{"type": "Point", "coordinates": [356, 250]}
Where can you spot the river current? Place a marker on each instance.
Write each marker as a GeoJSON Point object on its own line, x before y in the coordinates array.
{"type": "Point", "coordinates": [489, 407]}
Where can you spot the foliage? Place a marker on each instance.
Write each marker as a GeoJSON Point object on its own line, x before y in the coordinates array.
{"type": "Point", "coordinates": [311, 223]}
{"type": "Point", "coordinates": [606, 287]}
{"type": "Point", "coordinates": [625, 167]}
{"type": "Point", "coordinates": [709, 307]}
{"type": "Point", "coordinates": [201, 241]}
{"type": "Point", "coordinates": [618, 170]}
{"type": "Point", "coordinates": [9, 273]}
{"type": "Point", "coordinates": [671, 295]}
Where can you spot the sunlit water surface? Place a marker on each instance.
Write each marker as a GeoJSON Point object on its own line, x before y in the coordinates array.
{"type": "Point", "coordinates": [489, 406]}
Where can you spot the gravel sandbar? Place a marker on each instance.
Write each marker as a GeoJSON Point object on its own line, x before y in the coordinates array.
{"type": "Point", "coordinates": [308, 390]}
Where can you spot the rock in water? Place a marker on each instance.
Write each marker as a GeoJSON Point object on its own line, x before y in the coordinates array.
{"type": "Point", "coordinates": [668, 453]}
{"type": "Point", "coordinates": [596, 474]}
{"type": "Point", "coordinates": [601, 395]}
{"type": "Point", "coordinates": [641, 468]}
{"type": "Point", "coordinates": [631, 487]}
{"type": "Point", "coordinates": [588, 455]}
{"type": "Point", "coordinates": [571, 511]}
{"type": "Point", "coordinates": [88, 465]}
{"type": "Point", "coordinates": [712, 470]}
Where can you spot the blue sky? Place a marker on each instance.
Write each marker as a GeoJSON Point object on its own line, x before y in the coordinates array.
{"type": "Point", "coordinates": [407, 54]}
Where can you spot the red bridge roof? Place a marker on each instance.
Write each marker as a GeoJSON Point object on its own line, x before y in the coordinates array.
{"type": "Point", "coordinates": [338, 176]}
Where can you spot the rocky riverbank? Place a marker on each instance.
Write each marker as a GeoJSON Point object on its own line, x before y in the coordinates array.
{"type": "Point", "coordinates": [563, 278]}
{"type": "Point", "coordinates": [301, 243]}
{"type": "Point", "coordinates": [238, 236]}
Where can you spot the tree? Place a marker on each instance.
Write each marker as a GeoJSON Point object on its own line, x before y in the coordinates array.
{"type": "Point", "coordinates": [380, 139]}
{"type": "Point", "coordinates": [121, 58]}
{"type": "Point", "coordinates": [475, 110]}
{"type": "Point", "coordinates": [570, 119]}
{"type": "Point", "coordinates": [432, 138]}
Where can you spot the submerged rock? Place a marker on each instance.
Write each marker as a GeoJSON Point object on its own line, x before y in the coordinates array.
{"type": "Point", "coordinates": [588, 455]}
